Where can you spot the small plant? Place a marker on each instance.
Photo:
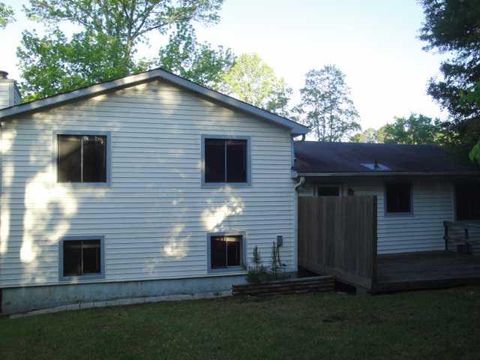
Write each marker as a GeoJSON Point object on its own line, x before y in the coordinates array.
{"type": "Point", "coordinates": [258, 273]}
{"type": "Point", "coordinates": [257, 260]}
{"type": "Point", "coordinates": [277, 266]}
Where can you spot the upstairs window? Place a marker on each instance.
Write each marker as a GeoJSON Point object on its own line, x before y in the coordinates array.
{"type": "Point", "coordinates": [225, 251]}
{"type": "Point", "coordinates": [226, 161]}
{"type": "Point", "coordinates": [82, 158]}
{"type": "Point", "coordinates": [399, 198]}
{"type": "Point", "coordinates": [81, 257]}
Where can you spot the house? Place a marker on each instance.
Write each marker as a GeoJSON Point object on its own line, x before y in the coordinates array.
{"type": "Point", "coordinates": [147, 185]}
{"type": "Point", "coordinates": [151, 185]}
{"type": "Point", "coordinates": [418, 187]}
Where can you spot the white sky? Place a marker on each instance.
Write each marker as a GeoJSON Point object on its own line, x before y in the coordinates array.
{"type": "Point", "coordinates": [374, 42]}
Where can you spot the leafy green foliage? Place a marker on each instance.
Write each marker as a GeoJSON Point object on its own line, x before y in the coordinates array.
{"type": "Point", "coordinates": [52, 64]}
{"type": "Point", "coordinates": [250, 79]}
{"type": "Point", "coordinates": [451, 27]}
{"type": "Point", "coordinates": [415, 129]}
{"type": "Point", "coordinates": [474, 154]}
{"type": "Point", "coordinates": [6, 15]}
{"type": "Point", "coordinates": [105, 46]}
{"type": "Point", "coordinates": [369, 135]}
{"type": "Point", "coordinates": [326, 106]}
{"type": "Point", "coordinates": [200, 63]}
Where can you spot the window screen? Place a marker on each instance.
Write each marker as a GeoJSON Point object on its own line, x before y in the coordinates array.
{"type": "Point", "coordinates": [81, 257]}
{"type": "Point", "coordinates": [398, 198]}
{"type": "Point", "coordinates": [225, 161]}
{"type": "Point", "coordinates": [82, 158]}
{"type": "Point", "coordinates": [226, 251]}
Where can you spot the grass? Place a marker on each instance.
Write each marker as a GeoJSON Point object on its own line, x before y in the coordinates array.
{"type": "Point", "coordinates": [442, 324]}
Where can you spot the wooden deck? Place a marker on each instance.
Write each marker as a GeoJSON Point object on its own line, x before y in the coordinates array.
{"type": "Point", "coordinates": [426, 270]}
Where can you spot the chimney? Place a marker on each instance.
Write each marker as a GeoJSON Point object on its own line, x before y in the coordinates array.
{"type": "Point", "coordinates": [9, 93]}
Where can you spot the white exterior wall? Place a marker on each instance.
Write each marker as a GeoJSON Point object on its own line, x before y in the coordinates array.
{"type": "Point", "coordinates": [155, 215]}
{"type": "Point", "coordinates": [9, 94]}
{"type": "Point", "coordinates": [433, 203]}
{"type": "Point", "coordinates": [5, 94]}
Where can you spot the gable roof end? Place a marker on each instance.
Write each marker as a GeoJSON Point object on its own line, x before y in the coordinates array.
{"type": "Point", "coordinates": [131, 80]}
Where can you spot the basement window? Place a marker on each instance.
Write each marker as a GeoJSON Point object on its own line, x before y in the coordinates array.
{"type": "Point", "coordinates": [398, 198]}
{"type": "Point", "coordinates": [226, 251]}
{"type": "Point", "coordinates": [81, 258]}
{"type": "Point", "coordinates": [226, 161]}
{"type": "Point", "coordinates": [82, 158]}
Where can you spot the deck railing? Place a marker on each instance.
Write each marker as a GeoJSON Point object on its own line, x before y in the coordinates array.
{"type": "Point", "coordinates": [462, 236]}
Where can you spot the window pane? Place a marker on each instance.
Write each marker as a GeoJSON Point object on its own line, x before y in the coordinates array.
{"type": "Point", "coordinates": [91, 256]}
{"type": "Point", "coordinates": [72, 258]}
{"type": "Point", "coordinates": [233, 250]}
{"type": "Point", "coordinates": [467, 200]}
{"type": "Point", "coordinates": [69, 158]}
{"type": "Point", "coordinates": [218, 252]}
{"type": "Point", "coordinates": [328, 191]}
{"type": "Point", "coordinates": [94, 159]}
{"type": "Point", "coordinates": [236, 161]}
{"type": "Point", "coordinates": [398, 198]}
{"type": "Point", "coordinates": [214, 160]}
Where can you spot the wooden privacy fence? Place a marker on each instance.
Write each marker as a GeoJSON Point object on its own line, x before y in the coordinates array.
{"type": "Point", "coordinates": [338, 236]}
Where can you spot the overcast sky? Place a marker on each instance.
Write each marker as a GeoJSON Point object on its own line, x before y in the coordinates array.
{"type": "Point", "coordinates": [374, 42]}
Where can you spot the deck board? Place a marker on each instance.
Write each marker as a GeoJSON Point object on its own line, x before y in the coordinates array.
{"type": "Point", "coordinates": [426, 270]}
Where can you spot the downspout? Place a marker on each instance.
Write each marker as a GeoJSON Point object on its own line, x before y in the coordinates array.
{"type": "Point", "coordinates": [299, 183]}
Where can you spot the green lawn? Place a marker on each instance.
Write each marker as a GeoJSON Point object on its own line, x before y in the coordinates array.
{"type": "Point", "coordinates": [442, 324]}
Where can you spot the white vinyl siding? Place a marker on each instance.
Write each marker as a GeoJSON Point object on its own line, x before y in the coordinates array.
{"type": "Point", "coordinates": [155, 215]}
{"type": "Point", "coordinates": [5, 94]}
{"type": "Point", "coordinates": [422, 230]}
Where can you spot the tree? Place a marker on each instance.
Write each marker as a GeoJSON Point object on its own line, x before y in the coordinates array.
{"type": "Point", "coordinates": [326, 106]}
{"type": "Point", "coordinates": [369, 135]}
{"type": "Point", "coordinates": [200, 63]}
{"type": "Point", "coordinates": [415, 129]}
{"type": "Point", "coordinates": [451, 27]}
{"type": "Point", "coordinates": [250, 79]}
{"type": "Point", "coordinates": [6, 15]}
{"type": "Point", "coordinates": [105, 46]}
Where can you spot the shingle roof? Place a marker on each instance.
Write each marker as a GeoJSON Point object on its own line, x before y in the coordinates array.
{"type": "Point", "coordinates": [37, 105]}
{"type": "Point", "coordinates": [313, 157]}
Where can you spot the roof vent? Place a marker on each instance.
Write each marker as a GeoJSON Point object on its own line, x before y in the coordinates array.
{"type": "Point", "coordinates": [376, 166]}
{"type": "Point", "coordinates": [3, 74]}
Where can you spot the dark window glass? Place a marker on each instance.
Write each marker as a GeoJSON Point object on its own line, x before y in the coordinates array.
{"type": "Point", "coordinates": [328, 191]}
{"type": "Point", "coordinates": [94, 161]}
{"type": "Point", "coordinates": [69, 158]}
{"type": "Point", "coordinates": [226, 251]}
{"type": "Point", "coordinates": [236, 161]}
{"type": "Point", "coordinates": [225, 161]}
{"type": "Point", "coordinates": [82, 158]}
{"type": "Point", "coordinates": [399, 199]}
{"type": "Point", "coordinates": [467, 200]}
{"type": "Point", "coordinates": [72, 258]}
{"type": "Point", "coordinates": [219, 252]}
{"type": "Point", "coordinates": [214, 160]}
{"type": "Point", "coordinates": [81, 257]}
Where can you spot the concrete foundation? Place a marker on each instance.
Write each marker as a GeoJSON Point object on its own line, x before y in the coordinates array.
{"type": "Point", "coordinates": [25, 299]}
